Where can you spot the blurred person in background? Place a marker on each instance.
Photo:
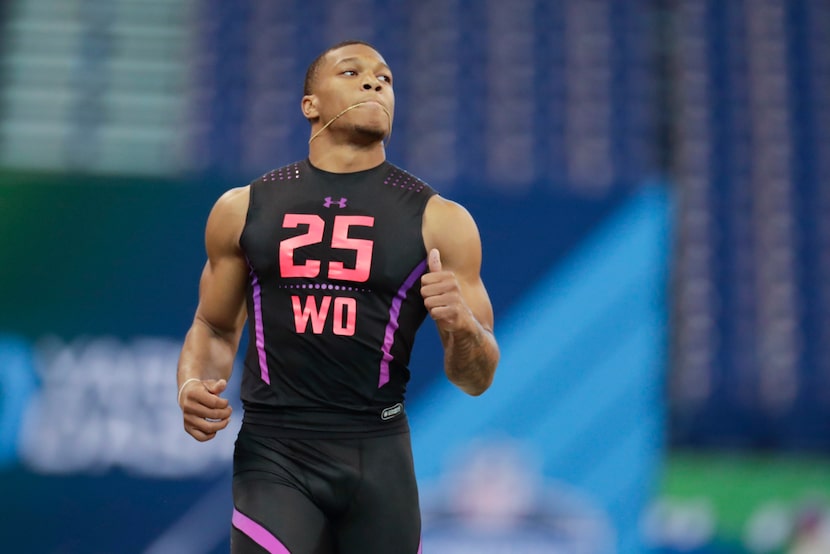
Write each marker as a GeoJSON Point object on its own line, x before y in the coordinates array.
{"type": "Point", "coordinates": [334, 261]}
{"type": "Point", "coordinates": [811, 530]}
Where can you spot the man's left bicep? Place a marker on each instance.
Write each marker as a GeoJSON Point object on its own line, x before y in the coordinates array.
{"type": "Point", "coordinates": [476, 297]}
{"type": "Point", "coordinates": [467, 258]}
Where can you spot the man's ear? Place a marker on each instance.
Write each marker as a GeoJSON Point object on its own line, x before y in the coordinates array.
{"type": "Point", "coordinates": [309, 107]}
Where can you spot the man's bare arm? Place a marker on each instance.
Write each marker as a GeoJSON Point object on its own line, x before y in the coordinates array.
{"type": "Point", "coordinates": [456, 297]}
{"type": "Point", "coordinates": [210, 346]}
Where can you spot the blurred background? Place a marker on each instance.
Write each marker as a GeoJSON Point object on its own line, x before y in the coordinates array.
{"type": "Point", "coordinates": [652, 184]}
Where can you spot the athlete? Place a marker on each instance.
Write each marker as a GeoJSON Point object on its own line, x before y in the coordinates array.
{"type": "Point", "coordinates": [335, 261]}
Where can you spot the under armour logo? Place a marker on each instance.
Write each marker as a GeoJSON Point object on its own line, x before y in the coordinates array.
{"type": "Point", "coordinates": [339, 203]}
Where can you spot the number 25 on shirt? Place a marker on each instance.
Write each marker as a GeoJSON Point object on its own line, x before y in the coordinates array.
{"type": "Point", "coordinates": [345, 308]}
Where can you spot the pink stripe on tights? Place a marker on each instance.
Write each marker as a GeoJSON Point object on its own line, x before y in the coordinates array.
{"type": "Point", "coordinates": [258, 533]}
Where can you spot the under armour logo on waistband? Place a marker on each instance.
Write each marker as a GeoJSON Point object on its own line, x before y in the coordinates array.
{"type": "Point", "coordinates": [339, 203]}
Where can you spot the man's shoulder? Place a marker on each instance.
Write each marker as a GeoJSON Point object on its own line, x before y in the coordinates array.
{"type": "Point", "coordinates": [443, 208]}
{"type": "Point", "coordinates": [233, 202]}
{"type": "Point", "coordinates": [443, 217]}
{"type": "Point", "coordinates": [227, 218]}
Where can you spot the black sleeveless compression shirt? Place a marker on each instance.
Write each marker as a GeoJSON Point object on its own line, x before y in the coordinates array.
{"type": "Point", "coordinates": [333, 298]}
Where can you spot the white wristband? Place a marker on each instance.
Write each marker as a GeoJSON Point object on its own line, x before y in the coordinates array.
{"type": "Point", "coordinates": [179, 398]}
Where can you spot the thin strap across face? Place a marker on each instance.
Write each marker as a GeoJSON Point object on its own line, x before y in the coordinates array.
{"type": "Point", "coordinates": [332, 120]}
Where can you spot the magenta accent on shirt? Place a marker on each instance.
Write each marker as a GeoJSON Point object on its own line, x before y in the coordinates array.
{"type": "Point", "coordinates": [392, 326]}
{"type": "Point", "coordinates": [258, 330]}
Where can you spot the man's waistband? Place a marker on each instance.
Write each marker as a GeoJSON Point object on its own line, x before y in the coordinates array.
{"type": "Point", "coordinates": [304, 422]}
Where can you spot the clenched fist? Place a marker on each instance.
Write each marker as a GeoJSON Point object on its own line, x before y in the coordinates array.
{"type": "Point", "coordinates": [204, 411]}
{"type": "Point", "coordinates": [443, 299]}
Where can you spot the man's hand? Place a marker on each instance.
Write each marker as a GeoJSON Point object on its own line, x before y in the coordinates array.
{"type": "Point", "coordinates": [443, 299]}
{"type": "Point", "coordinates": [204, 412]}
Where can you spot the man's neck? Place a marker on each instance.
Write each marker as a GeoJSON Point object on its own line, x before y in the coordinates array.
{"type": "Point", "coordinates": [345, 158]}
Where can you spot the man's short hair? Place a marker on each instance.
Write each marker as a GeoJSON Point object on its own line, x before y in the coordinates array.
{"type": "Point", "coordinates": [311, 72]}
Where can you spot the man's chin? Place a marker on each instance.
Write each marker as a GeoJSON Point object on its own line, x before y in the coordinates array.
{"type": "Point", "coordinates": [370, 134]}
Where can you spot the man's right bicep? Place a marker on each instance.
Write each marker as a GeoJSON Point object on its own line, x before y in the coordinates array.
{"type": "Point", "coordinates": [225, 276]}
{"type": "Point", "coordinates": [222, 294]}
